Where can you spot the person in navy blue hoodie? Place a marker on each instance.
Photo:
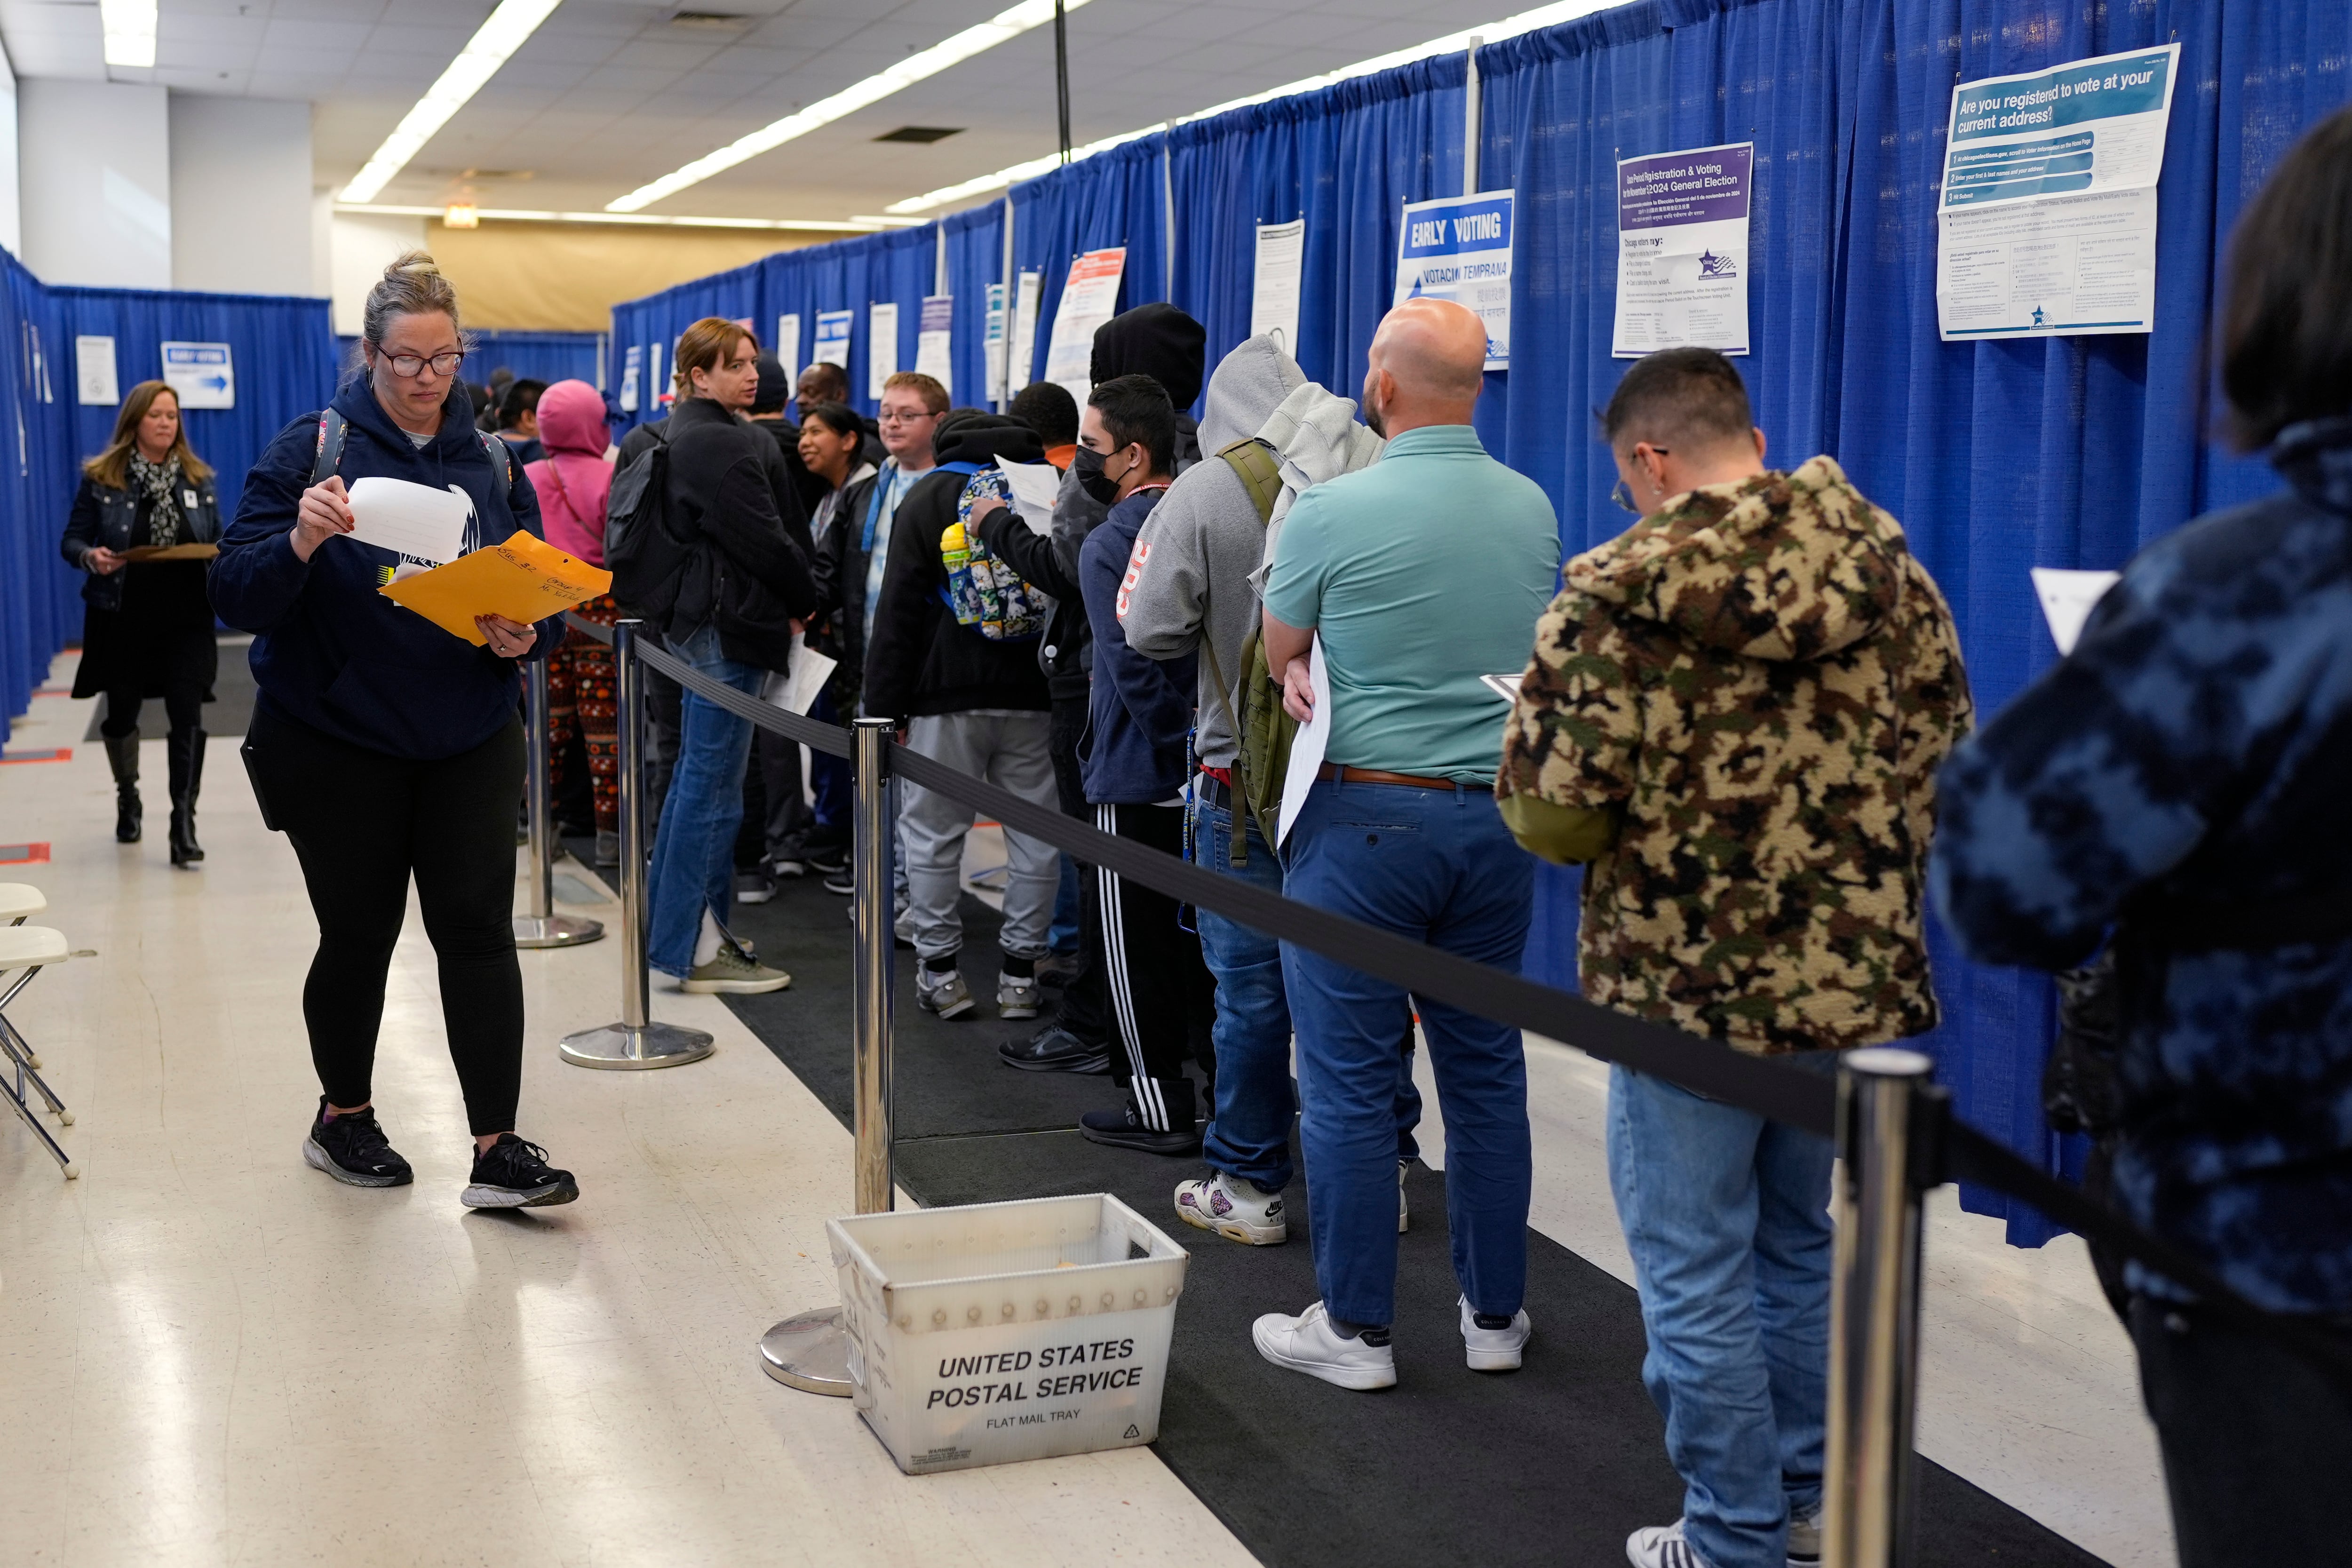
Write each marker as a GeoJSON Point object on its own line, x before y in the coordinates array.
{"type": "Point", "coordinates": [384, 747]}
{"type": "Point", "coordinates": [1134, 759]}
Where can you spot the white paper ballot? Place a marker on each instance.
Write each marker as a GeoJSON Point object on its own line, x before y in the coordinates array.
{"type": "Point", "coordinates": [411, 519]}
{"type": "Point", "coordinates": [809, 672]}
{"type": "Point", "coordinates": [2067, 598]}
{"type": "Point", "coordinates": [1034, 487]}
{"type": "Point", "coordinates": [1306, 746]}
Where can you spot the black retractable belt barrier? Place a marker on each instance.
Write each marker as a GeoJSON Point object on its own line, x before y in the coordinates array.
{"type": "Point", "coordinates": [1703, 1067]}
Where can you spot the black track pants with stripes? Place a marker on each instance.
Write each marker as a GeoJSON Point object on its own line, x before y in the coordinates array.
{"type": "Point", "coordinates": [1160, 998]}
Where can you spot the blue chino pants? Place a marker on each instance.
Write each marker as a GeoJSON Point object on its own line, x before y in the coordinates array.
{"type": "Point", "coordinates": [1726, 1216]}
{"type": "Point", "coordinates": [1438, 867]}
{"type": "Point", "coordinates": [694, 849]}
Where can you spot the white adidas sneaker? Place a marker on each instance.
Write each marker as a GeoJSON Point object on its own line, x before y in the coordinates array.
{"type": "Point", "coordinates": [1494, 1350]}
{"type": "Point", "coordinates": [1662, 1546]}
{"type": "Point", "coordinates": [1307, 1344]}
{"type": "Point", "coordinates": [1237, 1209]}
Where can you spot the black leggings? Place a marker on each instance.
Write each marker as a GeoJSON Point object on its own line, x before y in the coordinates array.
{"type": "Point", "coordinates": [362, 823]}
{"type": "Point", "coordinates": [184, 705]}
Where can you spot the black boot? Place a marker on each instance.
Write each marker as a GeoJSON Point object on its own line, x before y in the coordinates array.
{"type": "Point", "coordinates": [186, 749]}
{"type": "Point", "coordinates": [123, 752]}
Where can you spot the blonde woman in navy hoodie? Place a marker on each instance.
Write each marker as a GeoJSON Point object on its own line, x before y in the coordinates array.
{"type": "Point", "coordinates": [383, 747]}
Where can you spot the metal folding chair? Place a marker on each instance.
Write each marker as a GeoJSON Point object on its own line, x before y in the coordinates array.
{"type": "Point", "coordinates": [25, 951]}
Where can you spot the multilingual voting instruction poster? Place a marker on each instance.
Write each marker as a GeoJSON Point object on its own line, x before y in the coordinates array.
{"type": "Point", "coordinates": [1681, 251]}
{"type": "Point", "coordinates": [934, 332]}
{"type": "Point", "coordinates": [2046, 225]}
{"type": "Point", "coordinates": [1089, 298]}
{"type": "Point", "coordinates": [1459, 249]}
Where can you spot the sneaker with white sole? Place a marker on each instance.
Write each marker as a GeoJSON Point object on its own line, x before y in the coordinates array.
{"type": "Point", "coordinates": [1662, 1546]}
{"type": "Point", "coordinates": [1235, 1208]}
{"type": "Point", "coordinates": [1404, 1213]}
{"type": "Point", "coordinates": [353, 1149]}
{"type": "Point", "coordinates": [1018, 996]}
{"type": "Point", "coordinates": [942, 991]}
{"type": "Point", "coordinates": [1309, 1343]}
{"type": "Point", "coordinates": [514, 1174]}
{"type": "Point", "coordinates": [732, 972]}
{"type": "Point", "coordinates": [1496, 1349]}
{"type": "Point", "coordinates": [1805, 1540]}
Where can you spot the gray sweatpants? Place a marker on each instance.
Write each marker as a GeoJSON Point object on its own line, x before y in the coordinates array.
{"type": "Point", "coordinates": [1009, 750]}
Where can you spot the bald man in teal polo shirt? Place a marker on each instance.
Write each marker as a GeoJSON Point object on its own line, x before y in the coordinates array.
{"type": "Point", "coordinates": [1422, 574]}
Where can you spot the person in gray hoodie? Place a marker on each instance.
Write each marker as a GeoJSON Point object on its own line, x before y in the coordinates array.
{"type": "Point", "coordinates": [1192, 573]}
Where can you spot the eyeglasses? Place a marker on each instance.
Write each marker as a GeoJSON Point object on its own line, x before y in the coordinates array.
{"type": "Point", "coordinates": [1622, 493]}
{"type": "Point", "coordinates": [903, 416]}
{"type": "Point", "coordinates": [413, 364]}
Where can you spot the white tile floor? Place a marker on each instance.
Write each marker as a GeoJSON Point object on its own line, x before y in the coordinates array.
{"type": "Point", "coordinates": [209, 1354]}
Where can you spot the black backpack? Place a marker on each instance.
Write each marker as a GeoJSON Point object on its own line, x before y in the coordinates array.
{"type": "Point", "coordinates": [647, 559]}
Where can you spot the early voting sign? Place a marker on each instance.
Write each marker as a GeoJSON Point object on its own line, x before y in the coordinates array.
{"type": "Point", "coordinates": [2046, 225]}
{"type": "Point", "coordinates": [1681, 251]}
{"type": "Point", "coordinates": [1459, 249]}
{"type": "Point", "coordinates": [202, 373]}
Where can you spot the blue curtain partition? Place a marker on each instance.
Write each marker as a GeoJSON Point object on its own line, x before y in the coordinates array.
{"type": "Point", "coordinates": [536, 356]}
{"type": "Point", "coordinates": [1997, 457]}
{"type": "Point", "coordinates": [283, 356]}
{"type": "Point", "coordinates": [975, 242]}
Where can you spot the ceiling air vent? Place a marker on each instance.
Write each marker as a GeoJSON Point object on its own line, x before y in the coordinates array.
{"type": "Point", "coordinates": [709, 21]}
{"type": "Point", "coordinates": [920, 133]}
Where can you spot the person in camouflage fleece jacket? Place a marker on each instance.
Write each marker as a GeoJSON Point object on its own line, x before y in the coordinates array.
{"type": "Point", "coordinates": [1755, 686]}
{"type": "Point", "coordinates": [1734, 715]}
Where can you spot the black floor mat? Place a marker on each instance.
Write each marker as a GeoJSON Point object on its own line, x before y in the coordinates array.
{"type": "Point", "coordinates": [1553, 1465]}
{"type": "Point", "coordinates": [230, 711]}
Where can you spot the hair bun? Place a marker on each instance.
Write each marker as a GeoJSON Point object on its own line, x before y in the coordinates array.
{"type": "Point", "coordinates": [415, 264]}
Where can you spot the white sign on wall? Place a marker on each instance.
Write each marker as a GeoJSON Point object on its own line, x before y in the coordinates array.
{"type": "Point", "coordinates": [632, 365]}
{"type": "Point", "coordinates": [94, 370]}
{"type": "Point", "coordinates": [788, 345]}
{"type": "Point", "coordinates": [1273, 287]}
{"type": "Point", "coordinates": [1089, 298]}
{"type": "Point", "coordinates": [833, 329]}
{"type": "Point", "coordinates": [1459, 249]}
{"type": "Point", "coordinates": [935, 338]}
{"type": "Point", "coordinates": [881, 346]}
{"type": "Point", "coordinates": [204, 374]}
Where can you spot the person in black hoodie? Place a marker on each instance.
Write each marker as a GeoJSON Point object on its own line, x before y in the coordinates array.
{"type": "Point", "coordinates": [1163, 342]}
{"type": "Point", "coordinates": [738, 593]}
{"type": "Point", "coordinates": [976, 703]}
{"type": "Point", "coordinates": [383, 746]}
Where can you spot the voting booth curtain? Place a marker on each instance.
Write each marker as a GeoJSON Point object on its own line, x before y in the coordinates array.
{"type": "Point", "coordinates": [538, 356]}
{"type": "Point", "coordinates": [1997, 457]}
{"type": "Point", "coordinates": [282, 363]}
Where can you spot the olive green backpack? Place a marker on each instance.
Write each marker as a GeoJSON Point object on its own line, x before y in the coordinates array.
{"type": "Point", "coordinates": [1263, 729]}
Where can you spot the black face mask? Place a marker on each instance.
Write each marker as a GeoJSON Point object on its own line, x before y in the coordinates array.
{"type": "Point", "coordinates": [1088, 464]}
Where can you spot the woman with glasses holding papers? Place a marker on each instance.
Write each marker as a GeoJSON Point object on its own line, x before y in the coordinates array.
{"type": "Point", "coordinates": [383, 746]}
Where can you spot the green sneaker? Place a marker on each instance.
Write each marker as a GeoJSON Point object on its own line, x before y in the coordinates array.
{"type": "Point", "coordinates": [736, 973]}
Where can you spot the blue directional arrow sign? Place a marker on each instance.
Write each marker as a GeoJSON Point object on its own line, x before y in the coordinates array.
{"type": "Point", "coordinates": [204, 374]}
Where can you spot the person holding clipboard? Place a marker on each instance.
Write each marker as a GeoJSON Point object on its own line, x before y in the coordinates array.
{"type": "Point", "coordinates": [147, 630]}
{"type": "Point", "coordinates": [383, 746]}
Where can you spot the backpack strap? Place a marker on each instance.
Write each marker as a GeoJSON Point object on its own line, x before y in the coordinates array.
{"type": "Point", "coordinates": [1236, 844]}
{"type": "Point", "coordinates": [1253, 461]}
{"type": "Point", "coordinates": [505, 463]}
{"type": "Point", "coordinates": [966, 469]}
{"type": "Point", "coordinates": [329, 453]}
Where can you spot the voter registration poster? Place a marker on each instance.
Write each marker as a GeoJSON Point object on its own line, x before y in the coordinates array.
{"type": "Point", "coordinates": [2046, 225]}
{"type": "Point", "coordinates": [1681, 251]}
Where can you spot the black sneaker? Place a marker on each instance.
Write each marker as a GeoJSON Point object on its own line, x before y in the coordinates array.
{"type": "Point", "coordinates": [1123, 1129]}
{"type": "Point", "coordinates": [515, 1175]}
{"type": "Point", "coordinates": [1055, 1049]}
{"type": "Point", "coordinates": [352, 1149]}
{"type": "Point", "coordinates": [826, 850]}
{"type": "Point", "coordinates": [840, 881]}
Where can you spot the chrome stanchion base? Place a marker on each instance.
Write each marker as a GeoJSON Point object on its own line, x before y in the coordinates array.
{"type": "Point", "coordinates": [555, 930]}
{"type": "Point", "coordinates": [809, 1351]}
{"type": "Point", "coordinates": [627, 1049]}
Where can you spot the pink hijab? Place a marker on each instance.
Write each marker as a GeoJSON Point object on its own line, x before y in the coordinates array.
{"type": "Point", "coordinates": [574, 480]}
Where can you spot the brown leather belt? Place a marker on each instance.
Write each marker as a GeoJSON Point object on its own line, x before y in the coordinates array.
{"type": "Point", "coordinates": [1339, 773]}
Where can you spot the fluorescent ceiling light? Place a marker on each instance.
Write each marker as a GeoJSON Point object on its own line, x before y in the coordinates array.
{"type": "Point", "coordinates": [130, 28]}
{"type": "Point", "coordinates": [1003, 27]}
{"type": "Point", "coordinates": [480, 60]}
{"type": "Point", "coordinates": [1493, 32]}
{"type": "Point", "coordinates": [520, 215]}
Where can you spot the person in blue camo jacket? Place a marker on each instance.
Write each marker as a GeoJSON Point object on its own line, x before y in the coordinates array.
{"type": "Point", "coordinates": [2181, 777]}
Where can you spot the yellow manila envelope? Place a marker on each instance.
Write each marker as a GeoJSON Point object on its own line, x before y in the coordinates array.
{"type": "Point", "coordinates": [526, 579]}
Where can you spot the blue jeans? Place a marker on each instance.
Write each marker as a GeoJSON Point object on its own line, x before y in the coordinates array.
{"type": "Point", "coordinates": [694, 849]}
{"type": "Point", "coordinates": [1438, 867]}
{"type": "Point", "coordinates": [829, 775]}
{"type": "Point", "coordinates": [1061, 936]}
{"type": "Point", "coordinates": [1726, 1216]}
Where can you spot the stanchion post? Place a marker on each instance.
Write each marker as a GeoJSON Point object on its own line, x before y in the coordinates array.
{"type": "Point", "coordinates": [637, 1041]}
{"type": "Point", "coordinates": [541, 926]}
{"type": "Point", "coordinates": [1884, 1129]}
{"type": "Point", "coordinates": [810, 1351]}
